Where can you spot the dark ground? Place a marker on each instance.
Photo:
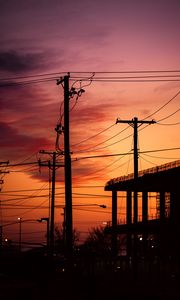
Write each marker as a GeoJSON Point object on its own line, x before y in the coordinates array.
{"type": "Point", "coordinates": [36, 279]}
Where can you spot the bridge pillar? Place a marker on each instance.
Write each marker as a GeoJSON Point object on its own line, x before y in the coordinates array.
{"type": "Point", "coordinates": [144, 206]}
{"type": "Point", "coordinates": [162, 206]}
{"type": "Point", "coordinates": [175, 222]}
{"type": "Point", "coordinates": [129, 221]}
{"type": "Point", "coordinates": [114, 223]}
{"type": "Point", "coordinates": [145, 219]}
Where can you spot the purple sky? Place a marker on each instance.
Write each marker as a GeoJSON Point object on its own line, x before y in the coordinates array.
{"type": "Point", "coordinates": [42, 37]}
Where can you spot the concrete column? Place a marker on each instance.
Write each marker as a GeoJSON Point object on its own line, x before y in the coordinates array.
{"type": "Point", "coordinates": [129, 207]}
{"type": "Point", "coordinates": [144, 206]}
{"type": "Point", "coordinates": [162, 206]}
{"type": "Point", "coordinates": [144, 220]}
{"type": "Point", "coordinates": [129, 221]}
{"type": "Point", "coordinates": [175, 222]}
{"type": "Point", "coordinates": [114, 223]}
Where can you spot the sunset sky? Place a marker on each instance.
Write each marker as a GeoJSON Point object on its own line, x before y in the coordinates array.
{"type": "Point", "coordinates": [125, 55]}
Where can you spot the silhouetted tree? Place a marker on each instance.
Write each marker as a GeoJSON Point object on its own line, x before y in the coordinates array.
{"type": "Point", "coordinates": [98, 242]}
{"type": "Point", "coordinates": [60, 239]}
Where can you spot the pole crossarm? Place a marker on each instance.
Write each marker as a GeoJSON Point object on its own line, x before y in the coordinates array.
{"type": "Point", "coordinates": [48, 163]}
{"type": "Point", "coordinates": [135, 120]}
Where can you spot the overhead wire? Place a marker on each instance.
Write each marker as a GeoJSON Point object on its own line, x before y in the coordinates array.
{"type": "Point", "coordinates": [159, 78]}
{"type": "Point", "coordinates": [100, 170]}
{"type": "Point", "coordinates": [167, 117]}
{"type": "Point", "coordinates": [116, 154]}
{"type": "Point", "coordinates": [168, 124]}
{"type": "Point", "coordinates": [170, 100]}
{"type": "Point", "coordinates": [161, 107]}
{"type": "Point", "coordinates": [32, 76]}
{"type": "Point", "coordinates": [31, 190]}
{"type": "Point", "coordinates": [160, 157]}
{"type": "Point", "coordinates": [146, 117]}
{"type": "Point", "coordinates": [29, 210]}
{"type": "Point", "coordinates": [91, 72]}
{"type": "Point", "coordinates": [104, 147]}
{"type": "Point", "coordinates": [141, 156]}
{"type": "Point", "coordinates": [94, 147]}
{"type": "Point", "coordinates": [95, 135]}
{"type": "Point", "coordinates": [119, 166]}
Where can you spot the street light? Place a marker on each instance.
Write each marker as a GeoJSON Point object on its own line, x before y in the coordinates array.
{"type": "Point", "coordinates": [20, 232]}
{"type": "Point", "coordinates": [47, 230]}
{"type": "Point", "coordinates": [64, 208]}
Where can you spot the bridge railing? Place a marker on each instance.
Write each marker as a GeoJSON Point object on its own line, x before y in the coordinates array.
{"type": "Point", "coordinates": [167, 166]}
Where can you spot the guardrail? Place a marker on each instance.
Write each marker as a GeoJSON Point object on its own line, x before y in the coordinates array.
{"type": "Point", "coordinates": [167, 166]}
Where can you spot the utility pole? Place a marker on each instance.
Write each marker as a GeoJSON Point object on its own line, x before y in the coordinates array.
{"type": "Point", "coordinates": [53, 166]}
{"type": "Point", "coordinates": [68, 94]}
{"type": "Point", "coordinates": [134, 123]}
{"type": "Point", "coordinates": [68, 176]}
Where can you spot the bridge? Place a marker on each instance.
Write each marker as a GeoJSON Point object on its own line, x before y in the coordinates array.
{"type": "Point", "coordinates": [164, 182]}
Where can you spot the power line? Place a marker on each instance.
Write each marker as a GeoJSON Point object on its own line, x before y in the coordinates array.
{"type": "Point", "coordinates": [31, 190]}
{"type": "Point", "coordinates": [159, 78]}
{"type": "Point", "coordinates": [32, 76]}
{"type": "Point", "coordinates": [92, 210]}
{"type": "Point", "coordinates": [166, 103]}
{"type": "Point", "coordinates": [90, 72]}
{"type": "Point", "coordinates": [46, 195]}
{"type": "Point", "coordinates": [172, 114]}
{"type": "Point", "coordinates": [29, 157]}
{"type": "Point", "coordinates": [111, 155]}
{"type": "Point", "coordinates": [141, 156]}
{"type": "Point", "coordinates": [159, 109]}
{"type": "Point", "coordinates": [161, 157]}
{"type": "Point", "coordinates": [93, 136]}
{"type": "Point", "coordinates": [127, 153]}
{"type": "Point", "coordinates": [29, 210]}
{"type": "Point", "coordinates": [103, 155]}
{"type": "Point", "coordinates": [94, 147]}
{"type": "Point", "coordinates": [101, 148]}
{"type": "Point", "coordinates": [168, 124]}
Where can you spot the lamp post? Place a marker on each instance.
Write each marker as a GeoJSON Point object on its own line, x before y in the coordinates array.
{"type": "Point", "coordinates": [75, 205]}
{"type": "Point", "coordinates": [47, 230]}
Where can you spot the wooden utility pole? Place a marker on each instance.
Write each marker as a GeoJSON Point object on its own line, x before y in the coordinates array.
{"type": "Point", "coordinates": [53, 167]}
{"type": "Point", "coordinates": [68, 94]}
{"type": "Point", "coordinates": [68, 176]}
{"type": "Point", "coordinates": [134, 123]}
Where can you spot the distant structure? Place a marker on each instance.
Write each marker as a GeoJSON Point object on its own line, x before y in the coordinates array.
{"type": "Point", "coordinates": [159, 236]}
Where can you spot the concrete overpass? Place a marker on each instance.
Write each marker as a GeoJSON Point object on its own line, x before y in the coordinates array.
{"type": "Point", "coordinates": [164, 181]}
